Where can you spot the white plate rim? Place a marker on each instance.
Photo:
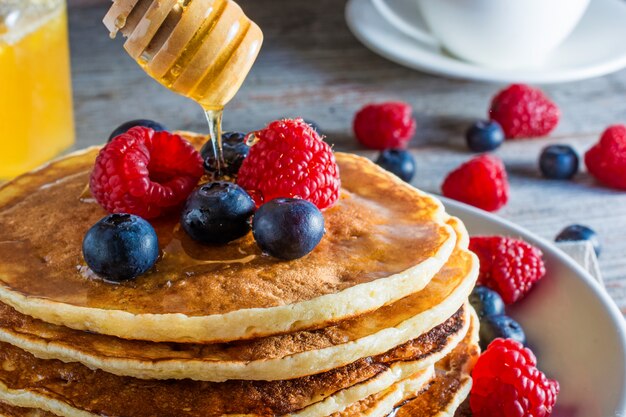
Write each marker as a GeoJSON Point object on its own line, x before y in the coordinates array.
{"type": "Point", "coordinates": [618, 321]}
{"type": "Point", "coordinates": [468, 71]}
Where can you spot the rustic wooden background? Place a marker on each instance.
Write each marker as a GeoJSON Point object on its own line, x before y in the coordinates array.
{"type": "Point", "coordinates": [312, 66]}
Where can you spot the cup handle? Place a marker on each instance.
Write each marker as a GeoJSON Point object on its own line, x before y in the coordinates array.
{"type": "Point", "coordinates": [403, 25]}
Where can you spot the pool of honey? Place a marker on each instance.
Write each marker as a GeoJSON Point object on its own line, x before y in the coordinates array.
{"type": "Point", "coordinates": [375, 230]}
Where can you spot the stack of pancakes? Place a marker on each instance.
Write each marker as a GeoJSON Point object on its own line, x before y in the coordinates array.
{"type": "Point", "coordinates": [374, 321]}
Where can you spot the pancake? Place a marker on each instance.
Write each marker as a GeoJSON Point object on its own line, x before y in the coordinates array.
{"type": "Point", "coordinates": [73, 389]}
{"type": "Point", "coordinates": [463, 411]}
{"type": "Point", "coordinates": [440, 398]}
{"type": "Point", "coordinates": [279, 357]}
{"type": "Point", "coordinates": [7, 410]}
{"type": "Point", "coordinates": [449, 388]}
{"type": "Point", "coordinates": [223, 293]}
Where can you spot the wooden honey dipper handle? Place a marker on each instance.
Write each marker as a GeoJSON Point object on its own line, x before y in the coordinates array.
{"type": "Point", "coordinates": [202, 49]}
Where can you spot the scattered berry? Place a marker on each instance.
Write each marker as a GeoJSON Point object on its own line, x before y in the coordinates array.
{"type": "Point", "coordinates": [385, 125]}
{"type": "Point", "coordinates": [507, 383]}
{"type": "Point", "coordinates": [125, 127]}
{"type": "Point", "coordinates": [481, 182]}
{"type": "Point", "coordinates": [398, 162]}
{"type": "Point", "coordinates": [217, 213]}
{"type": "Point", "coordinates": [288, 228]}
{"type": "Point", "coordinates": [508, 266]}
{"type": "Point", "coordinates": [144, 172]}
{"type": "Point", "coordinates": [558, 162]}
{"type": "Point", "coordinates": [500, 326]}
{"type": "Point", "coordinates": [578, 232]}
{"type": "Point", "coordinates": [486, 301]}
{"type": "Point", "coordinates": [606, 160]}
{"type": "Point", "coordinates": [524, 112]}
{"type": "Point", "coordinates": [290, 160]}
{"type": "Point", "coordinates": [121, 247]}
{"type": "Point", "coordinates": [235, 150]}
{"type": "Point", "coordinates": [484, 136]}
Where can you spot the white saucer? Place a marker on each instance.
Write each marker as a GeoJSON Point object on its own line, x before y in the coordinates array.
{"type": "Point", "coordinates": [597, 46]}
{"type": "Point", "coordinates": [571, 323]}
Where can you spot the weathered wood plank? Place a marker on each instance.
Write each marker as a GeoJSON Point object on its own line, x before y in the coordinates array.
{"type": "Point", "coordinates": [312, 66]}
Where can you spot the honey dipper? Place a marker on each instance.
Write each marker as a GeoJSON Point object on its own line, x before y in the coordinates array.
{"type": "Point", "coordinates": [202, 49]}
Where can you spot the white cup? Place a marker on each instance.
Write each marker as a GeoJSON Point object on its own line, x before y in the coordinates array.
{"type": "Point", "coordinates": [511, 34]}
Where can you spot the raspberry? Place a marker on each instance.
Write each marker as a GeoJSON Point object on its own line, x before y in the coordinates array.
{"type": "Point", "coordinates": [508, 266]}
{"type": "Point", "coordinates": [606, 160]}
{"type": "Point", "coordinates": [524, 112]}
{"type": "Point", "coordinates": [481, 182]}
{"type": "Point", "coordinates": [385, 125]}
{"type": "Point", "coordinates": [291, 160]}
{"type": "Point", "coordinates": [145, 173]}
{"type": "Point", "coordinates": [507, 383]}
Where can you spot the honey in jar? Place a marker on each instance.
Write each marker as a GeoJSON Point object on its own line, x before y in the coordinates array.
{"type": "Point", "coordinates": [36, 121]}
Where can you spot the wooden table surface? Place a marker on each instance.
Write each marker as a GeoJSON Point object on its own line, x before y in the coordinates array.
{"type": "Point", "coordinates": [312, 66]}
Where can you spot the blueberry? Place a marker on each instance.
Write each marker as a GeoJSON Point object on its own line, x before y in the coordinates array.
{"type": "Point", "coordinates": [217, 213]}
{"type": "Point", "coordinates": [234, 149]}
{"type": "Point", "coordinates": [558, 162]}
{"type": "Point", "coordinates": [124, 127]}
{"type": "Point", "coordinates": [233, 138]}
{"type": "Point", "coordinates": [121, 247]}
{"type": "Point", "coordinates": [492, 327]}
{"type": "Point", "coordinates": [578, 232]}
{"type": "Point", "coordinates": [484, 135]}
{"type": "Point", "coordinates": [228, 138]}
{"type": "Point", "coordinates": [288, 228]}
{"type": "Point", "coordinates": [486, 301]}
{"type": "Point", "coordinates": [399, 162]}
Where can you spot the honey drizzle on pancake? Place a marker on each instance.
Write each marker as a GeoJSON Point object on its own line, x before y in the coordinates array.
{"type": "Point", "coordinates": [361, 246]}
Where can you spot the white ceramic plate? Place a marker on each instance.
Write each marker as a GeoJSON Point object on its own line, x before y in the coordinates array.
{"type": "Point", "coordinates": [571, 323]}
{"type": "Point", "coordinates": [596, 47]}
